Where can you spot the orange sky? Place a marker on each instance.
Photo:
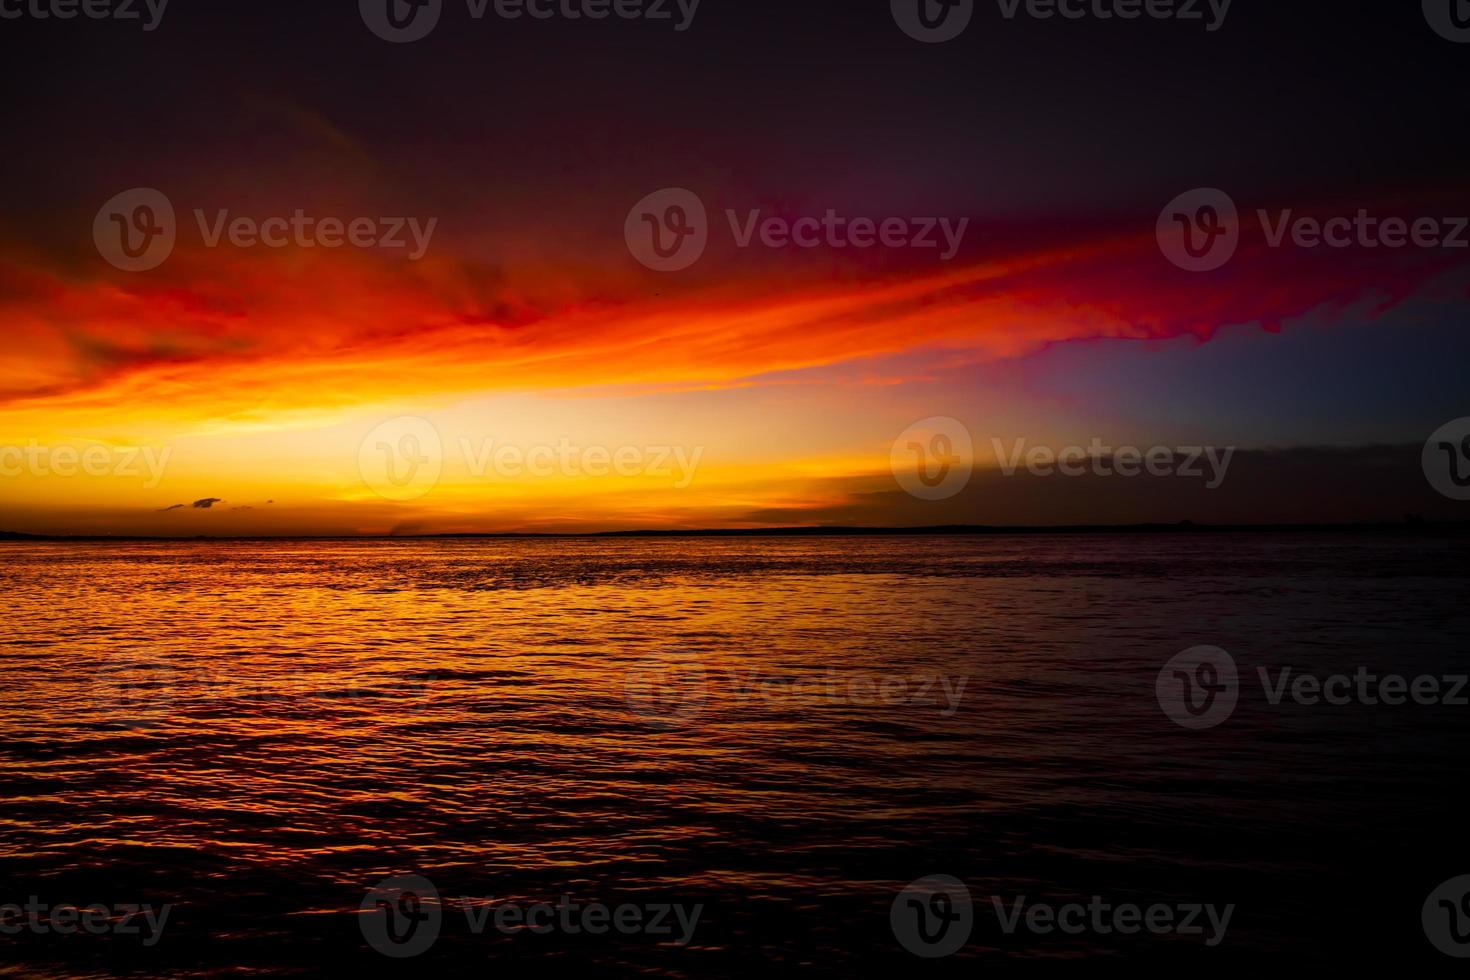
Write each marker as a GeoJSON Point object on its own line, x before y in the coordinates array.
{"type": "Point", "coordinates": [254, 377]}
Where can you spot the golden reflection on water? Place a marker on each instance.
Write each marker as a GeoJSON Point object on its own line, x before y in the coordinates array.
{"type": "Point", "coordinates": [787, 730]}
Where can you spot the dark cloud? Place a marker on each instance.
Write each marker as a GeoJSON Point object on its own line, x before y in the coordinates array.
{"type": "Point", "coordinates": [1308, 485]}
{"type": "Point", "coordinates": [204, 504]}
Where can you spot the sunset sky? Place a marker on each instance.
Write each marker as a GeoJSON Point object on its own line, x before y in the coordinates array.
{"type": "Point", "coordinates": [786, 373]}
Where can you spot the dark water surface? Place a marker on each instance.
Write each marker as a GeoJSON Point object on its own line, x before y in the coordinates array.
{"type": "Point", "coordinates": [784, 733]}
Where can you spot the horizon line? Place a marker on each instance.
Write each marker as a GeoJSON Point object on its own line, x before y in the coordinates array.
{"type": "Point", "coordinates": [932, 530]}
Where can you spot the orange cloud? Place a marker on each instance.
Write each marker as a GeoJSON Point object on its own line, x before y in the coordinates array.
{"type": "Point", "coordinates": [222, 334]}
{"type": "Point", "coordinates": [220, 346]}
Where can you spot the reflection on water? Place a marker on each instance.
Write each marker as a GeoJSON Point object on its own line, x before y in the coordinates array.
{"type": "Point", "coordinates": [785, 733]}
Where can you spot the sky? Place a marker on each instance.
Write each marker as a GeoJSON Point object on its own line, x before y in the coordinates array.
{"type": "Point", "coordinates": [515, 364]}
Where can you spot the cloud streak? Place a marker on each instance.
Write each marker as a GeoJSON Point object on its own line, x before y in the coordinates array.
{"type": "Point", "coordinates": [230, 333]}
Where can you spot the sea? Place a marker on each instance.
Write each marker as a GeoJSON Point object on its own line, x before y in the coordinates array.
{"type": "Point", "coordinates": [708, 756]}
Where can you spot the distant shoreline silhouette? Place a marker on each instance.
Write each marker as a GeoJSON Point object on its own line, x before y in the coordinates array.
{"type": "Point", "coordinates": [1408, 527]}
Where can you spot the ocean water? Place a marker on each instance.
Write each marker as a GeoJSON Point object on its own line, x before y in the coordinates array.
{"type": "Point", "coordinates": [774, 737]}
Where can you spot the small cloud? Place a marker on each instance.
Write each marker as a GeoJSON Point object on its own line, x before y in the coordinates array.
{"type": "Point", "coordinates": [165, 510]}
{"type": "Point", "coordinates": [206, 503]}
